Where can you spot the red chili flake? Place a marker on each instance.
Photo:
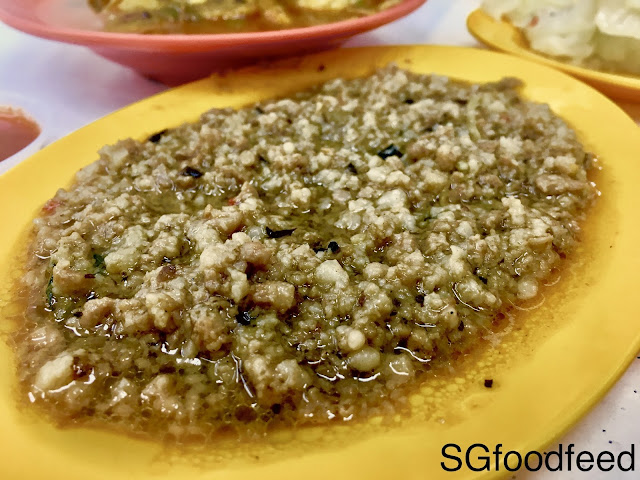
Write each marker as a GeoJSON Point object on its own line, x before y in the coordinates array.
{"type": "Point", "coordinates": [166, 273]}
{"type": "Point", "coordinates": [51, 206]}
{"type": "Point", "coordinates": [505, 118]}
{"type": "Point", "coordinates": [534, 21]}
{"type": "Point", "coordinates": [231, 201]}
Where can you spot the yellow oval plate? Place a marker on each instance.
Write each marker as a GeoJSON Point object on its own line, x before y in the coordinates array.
{"type": "Point", "coordinates": [547, 372]}
{"type": "Point", "coordinates": [504, 36]}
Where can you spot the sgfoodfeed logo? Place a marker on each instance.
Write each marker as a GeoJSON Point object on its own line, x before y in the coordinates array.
{"type": "Point", "coordinates": [482, 458]}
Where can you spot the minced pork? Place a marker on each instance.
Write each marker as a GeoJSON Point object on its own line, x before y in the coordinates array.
{"type": "Point", "coordinates": [298, 260]}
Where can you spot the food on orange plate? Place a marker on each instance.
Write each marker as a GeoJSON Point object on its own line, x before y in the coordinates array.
{"type": "Point", "coordinates": [300, 260]}
{"type": "Point", "coordinates": [227, 16]}
{"type": "Point", "coordinates": [601, 34]}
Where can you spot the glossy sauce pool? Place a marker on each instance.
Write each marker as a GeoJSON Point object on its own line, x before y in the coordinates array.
{"type": "Point", "coordinates": [16, 131]}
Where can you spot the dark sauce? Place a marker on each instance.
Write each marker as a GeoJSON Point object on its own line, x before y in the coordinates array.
{"type": "Point", "coordinates": [16, 132]}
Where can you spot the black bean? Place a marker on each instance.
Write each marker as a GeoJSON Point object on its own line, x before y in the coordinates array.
{"type": "Point", "coordinates": [420, 299]}
{"type": "Point", "coordinates": [279, 233]}
{"type": "Point", "coordinates": [390, 151]}
{"type": "Point", "coordinates": [244, 318]}
{"type": "Point", "coordinates": [79, 369]}
{"type": "Point", "coordinates": [334, 247]}
{"type": "Point", "coordinates": [191, 172]}
{"type": "Point", "coordinates": [155, 138]}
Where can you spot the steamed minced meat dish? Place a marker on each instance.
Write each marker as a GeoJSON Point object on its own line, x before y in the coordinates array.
{"type": "Point", "coordinates": [603, 34]}
{"type": "Point", "coordinates": [298, 260]}
{"type": "Point", "coordinates": [228, 16]}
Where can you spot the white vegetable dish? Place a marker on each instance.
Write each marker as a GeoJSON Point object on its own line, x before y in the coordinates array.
{"type": "Point", "coordinates": [603, 34]}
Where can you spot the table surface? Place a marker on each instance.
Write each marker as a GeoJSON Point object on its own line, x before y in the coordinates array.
{"type": "Point", "coordinates": [79, 87]}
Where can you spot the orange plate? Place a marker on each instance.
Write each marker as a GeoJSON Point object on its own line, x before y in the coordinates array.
{"type": "Point", "coordinates": [504, 36]}
{"type": "Point", "coordinates": [548, 370]}
{"type": "Point", "coordinates": [174, 59]}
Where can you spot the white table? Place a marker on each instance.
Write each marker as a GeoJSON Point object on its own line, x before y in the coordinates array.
{"type": "Point", "coordinates": [79, 87]}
